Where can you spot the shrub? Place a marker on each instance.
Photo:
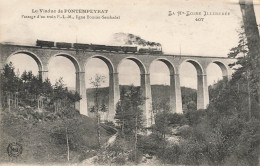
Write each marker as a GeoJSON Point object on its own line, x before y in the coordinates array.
{"type": "Point", "coordinates": [120, 159]}
{"type": "Point", "coordinates": [195, 117]}
{"type": "Point", "coordinates": [172, 154]}
{"type": "Point", "coordinates": [177, 119]}
{"type": "Point", "coordinates": [131, 156]}
{"type": "Point", "coordinates": [149, 144]}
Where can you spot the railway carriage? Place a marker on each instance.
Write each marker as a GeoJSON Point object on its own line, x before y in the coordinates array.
{"type": "Point", "coordinates": [150, 51]}
{"type": "Point", "coordinates": [81, 46]}
{"type": "Point", "coordinates": [64, 45]}
{"type": "Point", "coordinates": [42, 43]}
{"type": "Point", "coordinates": [97, 47]}
{"type": "Point", "coordinates": [127, 49]}
{"type": "Point", "coordinates": [113, 48]}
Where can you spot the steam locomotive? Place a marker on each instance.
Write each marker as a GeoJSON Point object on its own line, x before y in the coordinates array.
{"type": "Point", "coordinates": [95, 47]}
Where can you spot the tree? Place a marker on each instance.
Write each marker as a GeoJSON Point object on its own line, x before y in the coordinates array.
{"type": "Point", "coordinates": [219, 133]}
{"type": "Point", "coordinates": [245, 67]}
{"type": "Point", "coordinates": [164, 119]}
{"type": "Point", "coordinates": [96, 83]}
{"type": "Point", "coordinates": [24, 76]}
{"type": "Point", "coordinates": [191, 106]}
{"type": "Point", "coordinates": [129, 110]}
{"type": "Point", "coordinates": [62, 99]}
{"type": "Point", "coordinates": [47, 89]}
{"type": "Point", "coordinates": [9, 81]}
{"type": "Point", "coordinates": [225, 130]}
{"type": "Point", "coordinates": [245, 77]}
{"type": "Point", "coordinates": [121, 112]}
{"type": "Point", "coordinates": [252, 33]}
{"type": "Point", "coordinates": [129, 114]}
{"type": "Point", "coordinates": [253, 38]}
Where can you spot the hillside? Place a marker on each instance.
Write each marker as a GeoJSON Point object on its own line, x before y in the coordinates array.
{"type": "Point", "coordinates": [159, 92]}
{"type": "Point", "coordinates": [44, 142]}
{"type": "Point", "coordinates": [40, 120]}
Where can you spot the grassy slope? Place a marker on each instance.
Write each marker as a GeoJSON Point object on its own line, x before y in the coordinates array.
{"type": "Point", "coordinates": [45, 142]}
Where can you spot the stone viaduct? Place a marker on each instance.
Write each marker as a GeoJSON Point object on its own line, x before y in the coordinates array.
{"type": "Point", "coordinates": [79, 58]}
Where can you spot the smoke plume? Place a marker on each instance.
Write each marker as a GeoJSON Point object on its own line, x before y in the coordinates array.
{"type": "Point", "coordinates": [131, 39]}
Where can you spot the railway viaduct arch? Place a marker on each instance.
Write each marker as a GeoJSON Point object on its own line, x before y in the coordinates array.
{"type": "Point", "coordinates": [79, 58]}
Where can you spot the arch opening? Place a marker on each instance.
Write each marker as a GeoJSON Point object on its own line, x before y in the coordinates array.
{"type": "Point", "coordinates": [197, 66]}
{"type": "Point", "coordinates": [25, 61]}
{"type": "Point", "coordinates": [222, 67]}
{"type": "Point", "coordinates": [71, 58]}
{"type": "Point", "coordinates": [160, 72]}
{"type": "Point", "coordinates": [134, 68]}
{"type": "Point", "coordinates": [137, 62]}
{"type": "Point", "coordinates": [98, 65]}
{"type": "Point", "coordinates": [189, 81]}
{"type": "Point", "coordinates": [129, 70]}
{"type": "Point", "coordinates": [189, 70]}
{"type": "Point", "coordinates": [162, 84]}
{"type": "Point", "coordinates": [214, 73]}
{"type": "Point", "coordinates": [107, 62]}
{"type": "Point", "coordinates": [63, 66]}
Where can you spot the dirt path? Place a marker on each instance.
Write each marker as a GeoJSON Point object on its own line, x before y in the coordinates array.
{"type": "Point", "coordinates": [110, 142]}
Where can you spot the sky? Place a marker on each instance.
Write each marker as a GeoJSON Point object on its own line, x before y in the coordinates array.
{"type": "Point", "coordinates": [149, 19]}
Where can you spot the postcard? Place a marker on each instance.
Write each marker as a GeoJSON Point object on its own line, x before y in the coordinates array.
{"type": "Point", "coordinates": [129, 82]}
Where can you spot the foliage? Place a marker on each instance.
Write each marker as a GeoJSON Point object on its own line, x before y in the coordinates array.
{"type": "Point", "coordinates": [129, 109]}
{"type": "Point", "coordinates": [96, 83]}
{"type": "Point", "coordinates": [157, 143]}
{"type": "Point", "coordinates": [57, 101]}
{"type": "Point", "coordinates": [150, 144]}
{"type": "Point", "coordinates": [191, 106]}
{"type": "Point", "coordinates": [194, 117]}
{"type": "Point", "coordinates": [118, 153]}
{"type": "Point", "coordinates": [129, 118]}
{"type": "Point", "coordinates": [226, 132]}
{"type": "Point", "coordinates": [9, 81]}
{"type": "Point", "coordinates": [44, 142]}
{"type": "Point", "coordinates": [177, 119]}
{"type": "Point", "coordinates": [229, 127]}
{"type": "Point", "coordinates": [188, 95]}
{"type": "Point", "coordinates": [246, 76]}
